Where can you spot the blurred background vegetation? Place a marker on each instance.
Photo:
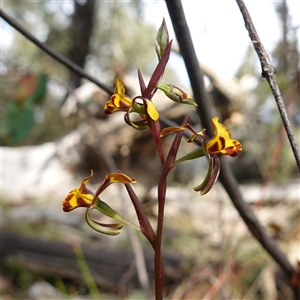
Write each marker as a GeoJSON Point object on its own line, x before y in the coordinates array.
{"type": "Point", "coordinates": [102, 38]}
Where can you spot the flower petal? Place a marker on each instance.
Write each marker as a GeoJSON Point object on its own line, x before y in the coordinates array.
{"type": "Point", "coordinates": [118, 101]}
{"type": "Point", "coordinates": [221, 142]}
{"type": "Point", "coordinates": [220, 129]}
{"type": "Point", "coordinates": [76, 199]}
{"type": "Point", "coordinates": [151, 110]}
{"type": "Point", "coordinates": [119, 87]}
{"type": "Point", "coordinates": [81, 197]}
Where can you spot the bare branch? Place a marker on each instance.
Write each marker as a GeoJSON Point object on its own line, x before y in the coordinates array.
{"type": "Point", "coordinates": [138, 252]}
{"type": "Point", "coordinates": [226, 176]}
{"type": "Point", "coordinates": [268, 72]}
{"type": "Point", "coordinates": [62, 59]}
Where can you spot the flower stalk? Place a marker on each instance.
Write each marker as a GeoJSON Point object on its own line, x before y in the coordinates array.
{"type": "Point", "coordinates": [142, 105]}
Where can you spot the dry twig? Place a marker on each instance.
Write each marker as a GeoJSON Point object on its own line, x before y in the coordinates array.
{"type": "Point", "coordinates": [268, 72]}
{"type": "Point", "coordinates": [226, 176]}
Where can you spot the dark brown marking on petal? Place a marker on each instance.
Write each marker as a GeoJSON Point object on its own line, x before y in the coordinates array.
{"type": "Point", "coordinates": [67, 207]}
{"type": "Point", "coordinates": [82, 203]}
{"type": "Point", "coordinates": [237, 145]}
{"type": "Point", "coordinates": [214, 148]}
{"type": "Point", "coordinates": [69, 196]}
{"type": "Point", "coordinates": [223, 142]}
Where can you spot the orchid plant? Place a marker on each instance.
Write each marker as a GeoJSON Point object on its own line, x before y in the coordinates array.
{"type": "Point", "coordinates": [148, 117]}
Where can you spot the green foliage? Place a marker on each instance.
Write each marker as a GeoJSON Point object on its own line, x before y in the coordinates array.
{"type": "Point", "coordinates": [19, 117]}
{"type": "Point", "coordinates": [86, 274]}
{"type": "Point", "coordinates": [113, 51]}
{"type": "Point", "coordinates": [18, 121]}
{"type": "Point", "coordinates": [40, 92]}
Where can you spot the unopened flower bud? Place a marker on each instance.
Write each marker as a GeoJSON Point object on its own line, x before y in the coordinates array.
{"type": "Point", "coordinates": [162, 40]}
{"type": "Point", "coordinates": [176, 94]}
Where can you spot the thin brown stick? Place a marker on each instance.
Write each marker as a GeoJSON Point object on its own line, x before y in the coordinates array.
{"type": "Point", "coordinates": [226, 176]}
{"type": "Point", "coordinates": [57, 56]}
{"type": "Point", "coordinates": [138, 253]}
{"type": "Point", "coordinates": [268, 72]}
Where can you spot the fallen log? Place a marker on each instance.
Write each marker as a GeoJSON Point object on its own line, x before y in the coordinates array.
{"type": "Point", "coordinates": [108, 266]}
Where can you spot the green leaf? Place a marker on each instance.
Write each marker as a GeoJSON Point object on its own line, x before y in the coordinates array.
{"type": "Point", "coordinates": [41, 89]}
{"type": "Point", "coordinates": [18, 121]}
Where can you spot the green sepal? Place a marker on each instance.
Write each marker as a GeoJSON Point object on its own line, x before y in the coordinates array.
{"type": "Point", "coordinates": [138, 125]}
{"type": "Point", "coordinates": [201, 187]}
{"type": "Point", "coordinates": [199, 152]}
{"type": "Point", "coordinates": [211, 175]}
{"type": "Point", "coordinates": [108, 211]}
{"type": "Point", "coordinates": [109, 229]}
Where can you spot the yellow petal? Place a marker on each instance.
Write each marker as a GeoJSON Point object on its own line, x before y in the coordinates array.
{"type": "Point", "coordinates": [81, 197]}
{"type": "Point", "coordinates": [221, 142]}
{"type": "Point", "coordinates": [127, 102]}
{"type": "Point", "coordinates": [76, 199]}
{"type": "Point", "coordinates": [119, 87]}
{"type": "Point", "coordinates": [151, 110]}
{"type": "Point", "coordinates": [215, 145]}
{"type": "Point", "coordinates": [220, 129]}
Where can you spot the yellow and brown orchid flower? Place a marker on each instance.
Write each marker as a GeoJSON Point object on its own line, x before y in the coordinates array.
{"type": "Point", "coordinates": [220, 143]}
{"type": "Point", "coordinates": [83, 197]}
{"type": "Point", "coordinates": [120, 102]}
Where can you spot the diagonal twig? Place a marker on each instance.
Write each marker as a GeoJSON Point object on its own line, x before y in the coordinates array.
{"type": "Point", "coordinates": [268, 72]}
{"type": "Point", "coordinates": [57, 56]}
{"type": "Point", "coordinates": [226, 176]}
{"type": "Point", "coordinates": [138, 252]}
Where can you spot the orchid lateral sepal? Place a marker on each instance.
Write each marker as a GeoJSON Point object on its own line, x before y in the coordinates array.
{"type": "Point", "coordinates": [109, 229]}
{"type": "Point", "coordinates": [108, 211]}
{"type": "Point", "coordinates": [138, 125]}
{"type": "Point", "coordinates": [211, 177]}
